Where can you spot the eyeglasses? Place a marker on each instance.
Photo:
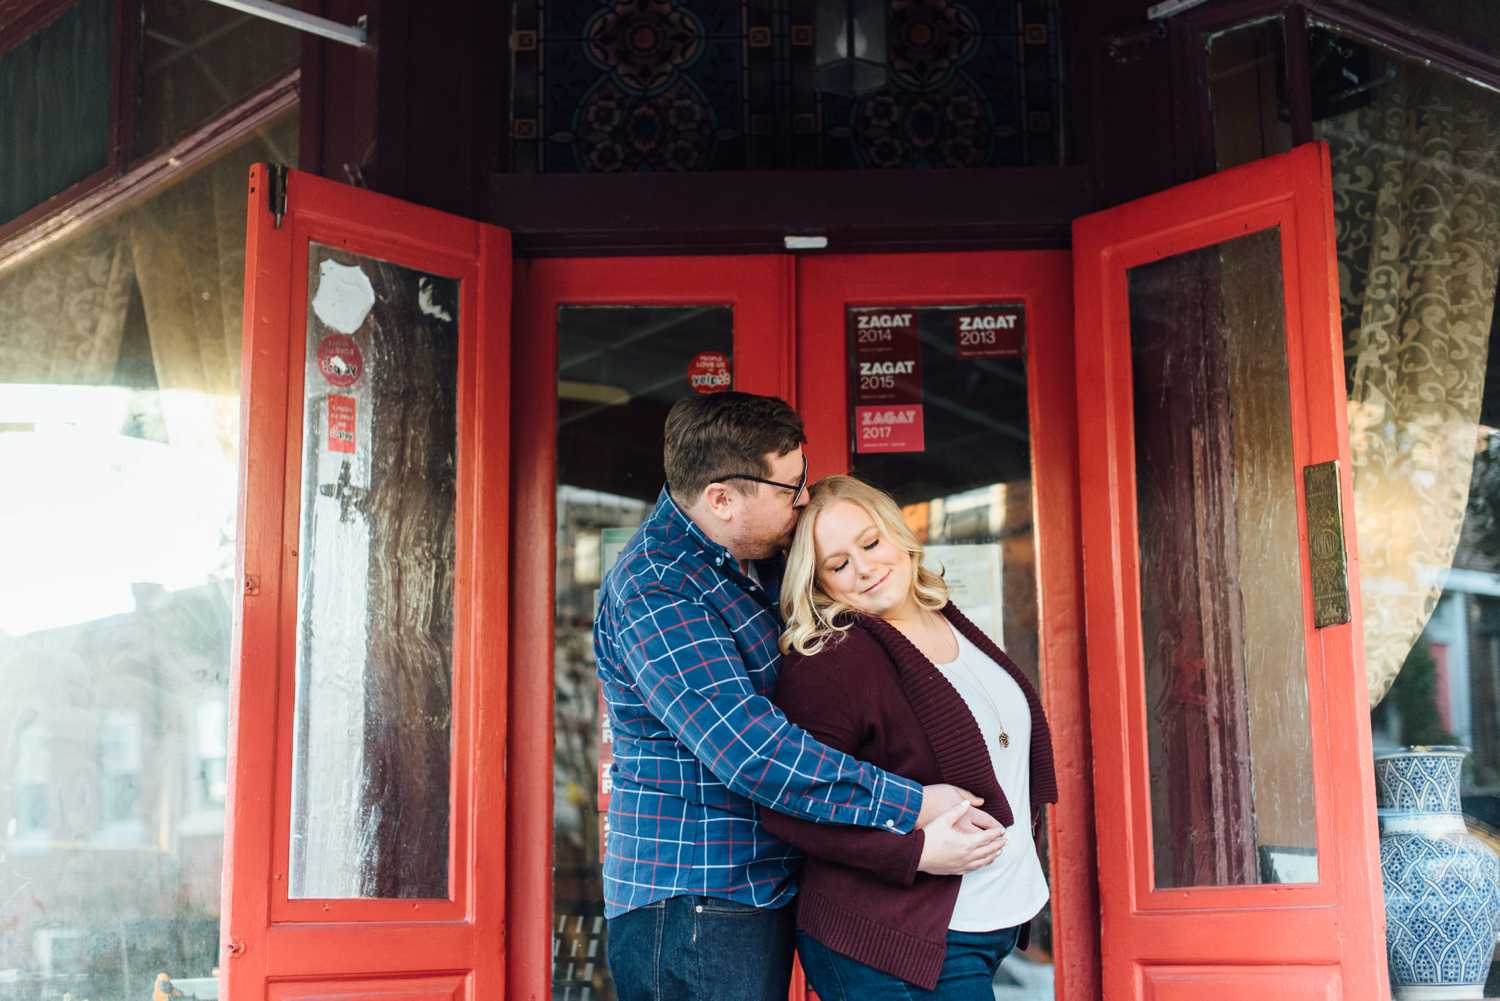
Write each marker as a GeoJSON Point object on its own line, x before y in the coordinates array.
{"type": "Point", "coordinates": [795, 488]}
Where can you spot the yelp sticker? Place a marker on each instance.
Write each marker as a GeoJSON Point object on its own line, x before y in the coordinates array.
{"type": "Point", "coordinates": [708, 372]}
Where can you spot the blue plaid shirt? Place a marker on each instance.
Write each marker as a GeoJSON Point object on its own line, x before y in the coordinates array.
{"type": "Point", "coordinates": [686, 648]}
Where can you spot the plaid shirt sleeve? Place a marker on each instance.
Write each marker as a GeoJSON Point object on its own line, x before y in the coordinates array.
{"type": "Point", "coordinates": [688, 671]}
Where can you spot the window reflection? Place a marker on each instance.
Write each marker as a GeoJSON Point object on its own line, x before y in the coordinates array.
{"type": "Point", "coordinates": [119, 381]}
{"type": "Point", "coordinates": [964, 485]}
{"type": "Point", "coordinates": [620, 369]}
{"type": "Point", "coordinates": [1416, 188]}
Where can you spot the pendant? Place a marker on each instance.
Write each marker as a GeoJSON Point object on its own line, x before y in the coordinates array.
{"type": "Point", "coordinates": [1004, 739]}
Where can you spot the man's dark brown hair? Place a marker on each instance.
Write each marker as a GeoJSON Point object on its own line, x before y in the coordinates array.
{"type": "Point", "coordinates": [715, 435]}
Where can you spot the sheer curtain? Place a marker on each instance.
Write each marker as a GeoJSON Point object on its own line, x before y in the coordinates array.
{"type": "Point", "coordinates": [1416, 179]}
{"type": "Point", "coordinates": [188, 248]}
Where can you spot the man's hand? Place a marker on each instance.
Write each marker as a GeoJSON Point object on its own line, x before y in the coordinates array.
{"type": "Point", "coordinates": [938, 799]}
{"type": "Point", "coordinates": [949, 851]}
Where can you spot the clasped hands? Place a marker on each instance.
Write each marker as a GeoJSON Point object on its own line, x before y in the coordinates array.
{"type": "Point", "coordinates": [958, 837]}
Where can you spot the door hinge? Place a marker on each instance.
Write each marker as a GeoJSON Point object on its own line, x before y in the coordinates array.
{"type": "Point", "coordinates": [276, 191]}
{"type": "Point", "coordinates": [1326, 555]}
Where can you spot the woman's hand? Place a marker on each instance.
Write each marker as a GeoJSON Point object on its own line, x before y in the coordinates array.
{"type": "Point", "coordinates": [960, 840]}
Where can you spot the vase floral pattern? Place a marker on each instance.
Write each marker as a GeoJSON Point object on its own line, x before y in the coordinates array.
{"type": "Point", "coordinates": [1442, 885]}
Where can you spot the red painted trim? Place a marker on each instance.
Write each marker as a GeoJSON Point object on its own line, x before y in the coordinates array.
{"type": "Point", "coordinates": [759, 289]}
{"type": "Point", "coordinates": [1338, 921]}
{"type": "Point", "coordinates": [1042, 280]}
{"type": "Point", "coordinates": [268, 935]}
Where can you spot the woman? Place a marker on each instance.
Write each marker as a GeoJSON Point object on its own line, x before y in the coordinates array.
{"type": "Point", "coordinates": [881, 665]}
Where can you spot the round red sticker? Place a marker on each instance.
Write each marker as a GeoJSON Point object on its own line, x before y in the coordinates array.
{"type": "Point", "coordinates": [708, 372]}
{"type": "Point", "coordinates": [339, 360]}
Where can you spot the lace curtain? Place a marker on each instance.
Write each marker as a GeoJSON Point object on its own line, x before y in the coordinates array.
{"type": "Point", "coordinates": [1416, 180]}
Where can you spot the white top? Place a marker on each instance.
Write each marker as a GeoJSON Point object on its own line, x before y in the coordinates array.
{"type": "Point", "coordinates": [1013, 888]}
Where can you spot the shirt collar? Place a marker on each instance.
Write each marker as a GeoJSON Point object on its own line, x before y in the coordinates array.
{"type": "Point", "coordinates": [682, 528]}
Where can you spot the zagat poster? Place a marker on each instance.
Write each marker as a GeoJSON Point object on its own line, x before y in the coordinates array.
{"type": "Point", "coordinates": [887, 381]}
{"type": "Point", "coordinates": [993, 332]}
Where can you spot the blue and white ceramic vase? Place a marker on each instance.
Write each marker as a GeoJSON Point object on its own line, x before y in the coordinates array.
{"type": "Point", "coordinates": [1442, 885]}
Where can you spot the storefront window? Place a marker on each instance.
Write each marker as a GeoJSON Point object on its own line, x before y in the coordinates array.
{"type": "Point", "coordinates": [198, 60]}
{"type": "Point", "coordinates": [1416, 184]}
{"type": "Point", "coordinates": [1247, 93]}
{"type": "Point", "coordinates": [619, 370]}
{"type": "Point", "coordinates": [119, 382]}
{"type": "Point", "coordinates": [941, 419]}
{"type": "Point", "coordinates": [55, 89]}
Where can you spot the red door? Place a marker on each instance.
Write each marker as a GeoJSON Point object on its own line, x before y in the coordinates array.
{"type": "Point", "coordinates": [947, 379]}
{"type": "Point", "coordinates": [367, 827]}
{"type": "Point", "coordinates": [1238, 855]}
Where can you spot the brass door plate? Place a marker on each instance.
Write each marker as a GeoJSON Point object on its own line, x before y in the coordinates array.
{"type": "Point", "coordinates": [1325, 544]}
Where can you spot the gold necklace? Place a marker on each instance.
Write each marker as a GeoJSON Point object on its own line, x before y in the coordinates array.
{"type": "Point", "coordinates": [983, 689]}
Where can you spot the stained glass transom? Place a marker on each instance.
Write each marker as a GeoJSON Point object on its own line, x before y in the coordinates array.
{"type": "Point", "coordinates": [690, 85]}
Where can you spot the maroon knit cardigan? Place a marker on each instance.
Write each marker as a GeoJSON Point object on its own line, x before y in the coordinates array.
{"type": "Point", "coordinates": [875, 696]}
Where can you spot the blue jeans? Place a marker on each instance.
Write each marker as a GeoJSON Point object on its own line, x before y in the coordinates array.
{"type": "Point", "coordinates": [701, 949]}
{"type": "Point", "coordinates": [968, 970]}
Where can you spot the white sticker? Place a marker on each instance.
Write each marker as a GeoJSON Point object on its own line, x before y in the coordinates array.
{"type": "Point", "coordinates": [344, 297]}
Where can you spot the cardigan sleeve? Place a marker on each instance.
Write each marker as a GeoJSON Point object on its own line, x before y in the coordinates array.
{"type": "Point", "coordinates": [814, 695]}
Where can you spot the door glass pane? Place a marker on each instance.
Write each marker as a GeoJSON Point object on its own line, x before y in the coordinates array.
{"type": "Point", "coordinates": [620, 369]}
{"type": "Point", "coordinates": [1220, 569]}
{"type": "Point", "coordinates": [939, 419]}
{"type": "Point", "coordinates": [370, 772]}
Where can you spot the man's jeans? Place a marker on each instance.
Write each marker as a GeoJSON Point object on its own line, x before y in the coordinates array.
{"type": "Point", "coordinates": [968, 970]}
{"type": "Point", "coordinates": [701, 949]}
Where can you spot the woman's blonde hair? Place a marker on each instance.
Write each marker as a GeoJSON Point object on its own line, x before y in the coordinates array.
{"type": "Point", "coordinates": [812, 617]}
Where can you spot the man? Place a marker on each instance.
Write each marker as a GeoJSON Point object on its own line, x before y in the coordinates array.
{"type": "Point", "coordinates": [696, 891]}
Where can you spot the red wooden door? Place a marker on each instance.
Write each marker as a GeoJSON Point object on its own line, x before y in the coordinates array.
{"type": "Point", "coordinates": [1238, 855]}
{"type": "Point", "coordinates": [367, 827]}
{"type": "Point", "coordinates": [989, 483]}
{"type": "Point", "coordinates": [603, 346]}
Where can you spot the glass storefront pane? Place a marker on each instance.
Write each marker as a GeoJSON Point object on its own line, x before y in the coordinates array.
{"type": "Point", "coordinates": [1416, 186]}
{"type": "Point", "coordinates": [1247, 92]}
{"type": "Point", "coordinates": [200, 59]}
{"type": "Point", "coordinates": [55, 90]}
{"type": "Point", "coordinates": [1220, 569]}
{"type": "Point", "coordinates": [119, 404]}
{"type": "Point", "coordinates": [370, 815]}
{"type": "Point", "coordinates": [940, 419]}
{"type": "Point", "coordinates": [620, 369]}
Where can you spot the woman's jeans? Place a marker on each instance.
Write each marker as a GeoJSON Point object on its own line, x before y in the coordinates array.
{"type": "Point", "coordinates": [968, 970]}
{"type": "Point", "coordinates": [702, 949]}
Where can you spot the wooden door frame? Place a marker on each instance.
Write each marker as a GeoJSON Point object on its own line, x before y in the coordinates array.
{"type": "Point", "coordinates": [759, 289]}
{"type": "Point", "coordinates": [1042, 280]}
